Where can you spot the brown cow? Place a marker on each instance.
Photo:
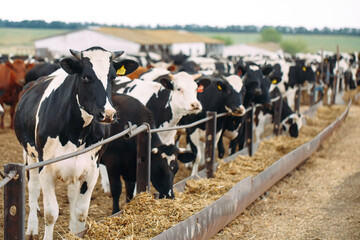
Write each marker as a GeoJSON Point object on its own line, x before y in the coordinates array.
{"type": "Point", "coordinates": [12, 78]}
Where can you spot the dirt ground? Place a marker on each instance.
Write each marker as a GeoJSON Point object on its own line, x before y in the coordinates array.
{"type": "Point", "coordinates": [319, 200]}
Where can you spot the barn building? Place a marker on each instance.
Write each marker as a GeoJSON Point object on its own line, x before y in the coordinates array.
{"type": "Point", "coordinates": [131, 41]}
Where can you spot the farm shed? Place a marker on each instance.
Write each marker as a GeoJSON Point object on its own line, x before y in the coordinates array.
{"type": "Point", "coordinates": [129, 40]}
{"type": "Point", "coordinates": [261, 50]}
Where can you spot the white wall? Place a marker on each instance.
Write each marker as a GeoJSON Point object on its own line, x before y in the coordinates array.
{"type": "Point", "coordinates": [83, 39]}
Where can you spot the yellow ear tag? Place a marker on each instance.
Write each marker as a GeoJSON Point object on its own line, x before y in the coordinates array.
{"type": "Point", "coordinates": [121, 71]}
{"type": "Point", "coordinates": [274, 81]}
{"type": "Point", "coordinates": [304, 69]}
{"type": "Point", "coordinates": [219, 87]}
{"type": "Point", "coordinates": [318, 73]}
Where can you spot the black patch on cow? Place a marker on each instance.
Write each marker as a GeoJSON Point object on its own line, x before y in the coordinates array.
{"type": "Point", "coordinates": [158, 104]}
{"type": "Point", "coordinates": [83, 188]}
{"type": "Point", "coordinates": [294, 131]}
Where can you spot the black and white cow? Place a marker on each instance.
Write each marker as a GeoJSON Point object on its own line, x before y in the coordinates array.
{"type": "Point", "coordinates": [256, 88]}
{"type": "Point", "coordinates": [169, 99]}
{"type": "Point", "coordinates": [120, 155]}
{"type": "Point", "coordinates": [61, 114]}
{"type": "Point", "coordinates": [291, 122]}
{"type": "Point", "coordinates": [221, 96]}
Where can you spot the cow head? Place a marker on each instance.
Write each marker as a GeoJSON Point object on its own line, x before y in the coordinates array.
{"type": "Point", "coordinates": [18, 67]}
{"type": "Point", "coordinates": [292, 124]}
{"type": "Point", "coordinates": [184, 89]}
{"type": "Point", "coordinates": [225, 93]}
{"type": "Point", "coordinates": [95, 70]}
{"type": "Point", "coordinates": [257, 84]}
{"type": "Point", "coordinates": [164, 166]}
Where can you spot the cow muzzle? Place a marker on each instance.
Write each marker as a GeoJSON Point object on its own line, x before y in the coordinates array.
{"type": "Point", "coordinates": [196, 106]}
{"type": "Point", "coordinates": [109, 116]}
{"type": "Point", "coordinates": [238, 112]}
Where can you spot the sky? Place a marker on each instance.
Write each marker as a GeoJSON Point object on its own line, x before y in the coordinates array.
{"type": "Point", "coordinates": [311, 14]}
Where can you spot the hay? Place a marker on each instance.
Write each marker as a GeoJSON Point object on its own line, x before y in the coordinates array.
{"type": "Point", "coordinates": [145, 217]}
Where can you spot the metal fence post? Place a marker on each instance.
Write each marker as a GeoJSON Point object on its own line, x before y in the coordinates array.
{"type": "Point", "coordinates": [249, 129]}
{"type": "Point", "coordinates": [143, 162]}
{"type": "Point", "coordinates": [14, 203]}
{"type": "Point", "coordinates": [297, 100]}
{"type": "Point", "coordinates": [277, 116]}
{"type": "Point", "coordinates": [312, 95]}
{"type": "Point", "coordinates": [210, 144]}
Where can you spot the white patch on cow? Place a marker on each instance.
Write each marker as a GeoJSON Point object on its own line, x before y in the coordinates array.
{"type": "Point", "coordinates": [72, 169]}
{"type": "Point", "coordinates": [31, 151]}
{"type": "Point", "coordinates": [100, 63]}
{"type": "Point", "coordinates": [235, 81]}
{"type": "Point", "coordinates": [141, 90]}
{"type": "Point", "coordinates": [168, 158]}
{"type": "Point", "coordinates": [55, 83]}
{"type": "Point", "coordinates": [105, 183]}
{"type": "Point", "coordinates": [254, 67]}
{"type": "Point", "coordinates": [84, 115]}
{"type": "Point", "coordinates": [153, 74]}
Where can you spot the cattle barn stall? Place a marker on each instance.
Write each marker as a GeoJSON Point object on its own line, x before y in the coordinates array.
{"type": "Point", "coordinates": [131, 40]}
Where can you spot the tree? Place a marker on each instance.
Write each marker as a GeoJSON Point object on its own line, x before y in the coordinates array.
{"type": "Point", "coordinates": [269, 34]}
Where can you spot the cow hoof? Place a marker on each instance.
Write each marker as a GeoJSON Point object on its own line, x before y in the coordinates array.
{"type": "Point", "coordinates": [32, 237]}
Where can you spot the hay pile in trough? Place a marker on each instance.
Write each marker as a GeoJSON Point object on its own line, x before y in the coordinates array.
{"type": "Point", "coordinates": [145, 217]}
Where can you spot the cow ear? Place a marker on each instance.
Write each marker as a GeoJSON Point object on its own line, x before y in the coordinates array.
{"type": "Point", "coordinates": [203, 83]}
{"type": "Point", "coordinates": [267, 70]}
{"type": "Point", "coordinates": [70, 65]}
{"type": "Point", "coordinates": [186, 157]}
{"type": "Point", "coordinates": [166, 82]}
{"type": "Point", "coordinates": [125, 67]}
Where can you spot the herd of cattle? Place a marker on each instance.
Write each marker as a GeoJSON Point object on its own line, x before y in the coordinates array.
{"type": "Point", "coordinates": [58, 109]}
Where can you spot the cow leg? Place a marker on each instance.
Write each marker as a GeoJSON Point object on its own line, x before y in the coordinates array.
{"type": "Point", "coordinates": [196, 141]}
{"type": "Point", "coordinates": [73, 194]}
{"type": "Point", "coordinates": [34, 193]}
{"type": "Point", "coordinates": [115, 188]}
{"type": "Point", "coordinates": [12, 113]}
{"type": "Point", "coordinates": [83, 200]}
{"type": "Point", "coordinates": [104, 178]}
{"type": "Point", "coordinates": [220, 146]}
{"type": "Point", "coordinates": [130, 190]}
{"type": "Point", "coordinates": [51, 207]}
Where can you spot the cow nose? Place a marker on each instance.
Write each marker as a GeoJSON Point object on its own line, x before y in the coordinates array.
{"type": "Point", "coordinates": [258, 91]}
{"type": "Point", "coordinates": [195, 106]}
{"type": "Point", "coordinates": [109, 116]}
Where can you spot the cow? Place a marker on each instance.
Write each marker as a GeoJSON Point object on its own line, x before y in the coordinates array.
{"type": "Point", "coordinates": [60, 114]}
{"type": "Point", "coordinates": [120, 155]}
{"type": "Point", "coordinates": [291, 122]}
{"type": "Point", "coordinates": [39, 70]}
{"type": "Point", "coordinates": [256, 87]}
{"type": "Point", "coordinates": [221, 96]}
{"type": "Point", "coordinates": [12, 75]}
{"type": "Point", "coordinates": [169, 98]}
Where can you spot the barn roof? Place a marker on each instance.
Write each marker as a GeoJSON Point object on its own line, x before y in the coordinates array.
{"type": "Point", "coordinates": [144, 36]}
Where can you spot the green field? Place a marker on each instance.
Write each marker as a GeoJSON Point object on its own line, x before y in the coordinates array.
{"type": "Point", "coordinates": [13, 39]}
{"type": "Point", "coordinates": [313, 42]}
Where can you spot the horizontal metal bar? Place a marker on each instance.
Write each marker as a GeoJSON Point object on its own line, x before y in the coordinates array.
{"type": "Point", "coordinates": [8, 178]}
{"type": "Point", "coordinates": [182, 126]}
{"type": "Point", "coordinates": [66, 156]}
